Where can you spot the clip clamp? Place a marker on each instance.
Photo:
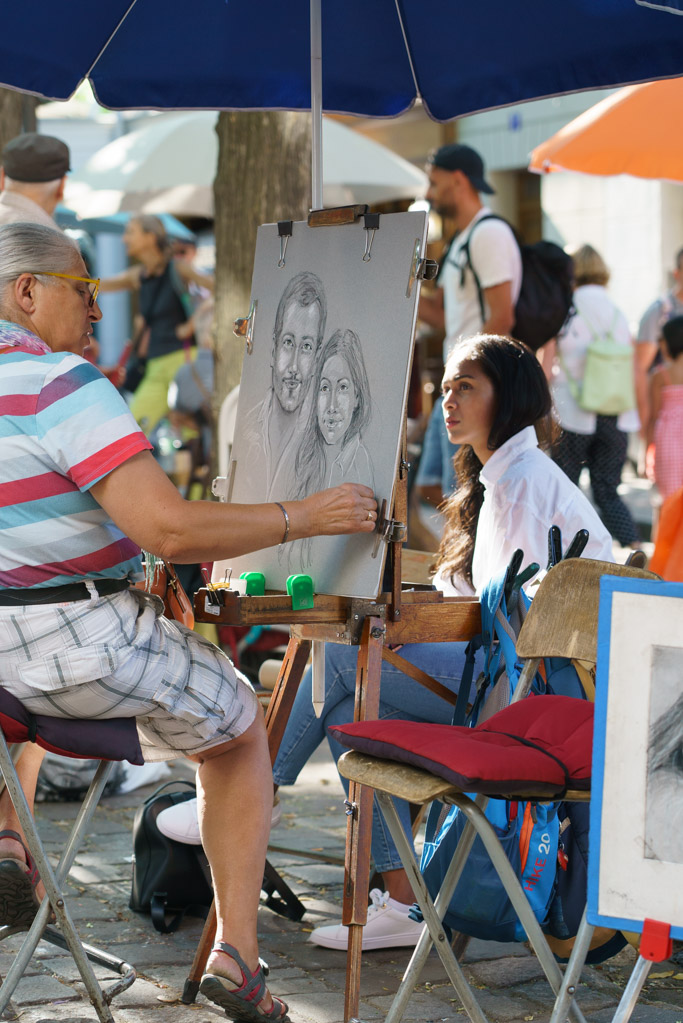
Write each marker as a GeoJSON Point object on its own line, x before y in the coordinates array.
{"type": "Point", "coordinates": [388, 530]}
{"type": "Point", "coordinates": [244, 327]}
{"type": "Point", "coordinates": [371, 225]}
{"type": "Point", "coordinates": [300, 589]}
{"type": "Point", "coordinates": [255, 583]}
{"type": "Point", "coordinates": [284, 230]}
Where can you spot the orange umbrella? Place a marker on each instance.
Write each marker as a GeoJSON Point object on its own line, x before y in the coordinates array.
{"type": "Point", "coordinates": [635, 131]}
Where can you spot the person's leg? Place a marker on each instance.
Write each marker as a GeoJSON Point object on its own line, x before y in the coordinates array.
{"type": "Point", "coordinates": [400, 697]}
{"type": "Point", "coordinates": [606, 461]}
{"type": "Point", "coordinates": [234, 786]}
{"type": "Point", "coordinates": [305, 731]}
{"type": "Point", "coordinates": [571, 453]}
{"type": "Point", "coordinates": [28, 767]}
{"type": "Point", "coordinates": [150, 401]}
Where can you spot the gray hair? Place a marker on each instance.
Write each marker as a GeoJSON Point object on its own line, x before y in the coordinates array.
{"type": "Point", "coordinates": [32, 248]}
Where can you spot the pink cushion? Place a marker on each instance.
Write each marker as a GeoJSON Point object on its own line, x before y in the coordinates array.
{"type": "Point", "coordinates": [541, 745]}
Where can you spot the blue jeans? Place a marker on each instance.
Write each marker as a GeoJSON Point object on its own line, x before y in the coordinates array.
{"type": "Point", "coordinates": [400, 697]}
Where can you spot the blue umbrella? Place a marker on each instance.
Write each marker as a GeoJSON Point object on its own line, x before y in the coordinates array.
{"type": "Point", "coordinates": [459, 56]}
{"type": "Point", "coordinates": [345, 56]}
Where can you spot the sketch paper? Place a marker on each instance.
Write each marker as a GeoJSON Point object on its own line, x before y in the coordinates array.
{"type": "Point", "coordinates": [636, 833]}
{"type": "Point", "coordinates": [323, 392]}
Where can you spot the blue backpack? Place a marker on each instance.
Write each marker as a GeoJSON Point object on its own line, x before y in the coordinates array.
{"type": "Point", "coordinates": [528, 832]}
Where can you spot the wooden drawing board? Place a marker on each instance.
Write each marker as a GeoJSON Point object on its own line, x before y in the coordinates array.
{"type": "Point", "coordinates": [324, 388]}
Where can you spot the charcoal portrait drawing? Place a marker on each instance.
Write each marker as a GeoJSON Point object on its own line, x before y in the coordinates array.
{"type": "Point", "coordinates": [324, 386]}
{"type": "Point", "coordinates": [275, 425]}
{"type": "Point", "coordinates": [664, 810]}
{"type": "Point", "coordinates": [331, 450]}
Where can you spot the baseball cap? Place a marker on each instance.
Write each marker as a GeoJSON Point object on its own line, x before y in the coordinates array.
{"type": "Point", "coordinates": [33, 157]}
{"type": "Point", "coordinates": [462, 158]}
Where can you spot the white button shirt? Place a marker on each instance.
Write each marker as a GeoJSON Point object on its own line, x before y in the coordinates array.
{"type": "Point", "coordinates": [525, 494]}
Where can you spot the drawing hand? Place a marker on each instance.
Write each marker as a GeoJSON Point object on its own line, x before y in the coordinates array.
{"type": "Point", "coordinates": [349, 508]}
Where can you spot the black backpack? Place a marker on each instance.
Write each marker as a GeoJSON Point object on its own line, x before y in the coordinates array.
{"type": "Point", "coordinates": [545, 297]}
{"type": "Point", "coordinates": [172, 877]}
{"type": "Point", "coordinates": [168, 876]}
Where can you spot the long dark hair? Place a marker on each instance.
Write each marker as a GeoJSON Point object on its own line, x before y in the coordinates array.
{"type": "Point", "coordinates": [309, 468]}
{"type": "Point", "coordinates": [522, 399]}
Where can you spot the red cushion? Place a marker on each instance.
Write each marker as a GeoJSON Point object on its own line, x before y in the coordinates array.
{"type": "Point", "coordinates": [96, 739]}
{"type": "Point", "coordinates": [540, 745]}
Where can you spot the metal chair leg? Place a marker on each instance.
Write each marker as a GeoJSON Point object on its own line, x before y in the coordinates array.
{"type": "Point", "coordinates": [53, 881]}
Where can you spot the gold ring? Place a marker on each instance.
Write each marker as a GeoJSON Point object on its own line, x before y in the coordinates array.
{"type": "Point", "coordinates": [369, 516]}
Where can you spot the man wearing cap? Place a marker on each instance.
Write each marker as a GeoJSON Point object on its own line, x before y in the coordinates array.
{"type": "Point", "coordinates": [32, 178]}
{"type": "Point", "coordinates": [456, 177]}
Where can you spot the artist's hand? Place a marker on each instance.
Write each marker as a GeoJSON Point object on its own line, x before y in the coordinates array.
{"type": "Point", "coordinates": [349, 508]}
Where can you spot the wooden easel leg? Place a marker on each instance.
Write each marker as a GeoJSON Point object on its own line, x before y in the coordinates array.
{"type": "Point", "coordinates": [277, 715]}
{"type": "Point", "coordinates": [359, 826]}
{"type": "Point", "coordinates": [280, 705]}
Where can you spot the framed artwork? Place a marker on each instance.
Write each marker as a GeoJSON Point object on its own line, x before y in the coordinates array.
{"type": "Point", "coordinates": [636, 824]}
{"type": "Point", "coordinates": [324, 385]}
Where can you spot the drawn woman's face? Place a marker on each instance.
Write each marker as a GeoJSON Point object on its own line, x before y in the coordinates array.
{"type": "Point", "coordinates": [337, 400]}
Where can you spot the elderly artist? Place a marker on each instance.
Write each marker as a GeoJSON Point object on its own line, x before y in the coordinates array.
{"type": "Point", "coordinates": [76, 641]}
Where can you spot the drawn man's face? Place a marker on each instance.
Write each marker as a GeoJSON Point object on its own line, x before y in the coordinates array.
{"type": "Point", "coordinates": [337, 400]}
{"type": "Point", "coordinates": [294, 356]}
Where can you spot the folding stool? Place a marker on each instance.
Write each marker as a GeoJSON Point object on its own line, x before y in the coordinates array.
{"type": "Point", "coordinates": [562, 622]}
{"type": "Point", "coordinates": [109, 740]}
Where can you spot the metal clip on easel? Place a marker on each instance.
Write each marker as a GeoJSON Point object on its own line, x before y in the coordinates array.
{"type": "Point", "coordinates": [284, 230]}
{"type": "Point", "coordinates": [371, 224]}
{"type": "Point", "coordinates": [388, 530]}
{"type": "Point", "coordinates": [244, 327]}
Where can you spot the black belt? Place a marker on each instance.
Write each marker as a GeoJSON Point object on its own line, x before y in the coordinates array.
{"type": "Point", "coordinates": [62, 594]}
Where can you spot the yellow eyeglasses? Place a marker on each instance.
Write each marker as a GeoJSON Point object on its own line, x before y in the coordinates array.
{"type": "Point", "coordinates": [94, 282]}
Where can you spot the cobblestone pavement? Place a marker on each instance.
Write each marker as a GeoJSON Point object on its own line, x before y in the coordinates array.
{"type": "Point", "coordinates": [507, 978]}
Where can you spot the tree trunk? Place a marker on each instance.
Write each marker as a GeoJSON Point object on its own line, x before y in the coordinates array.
{"type": "Point", "coordinates": [263, 175]}
{"type": "Point", "coordinates": [17, 114]}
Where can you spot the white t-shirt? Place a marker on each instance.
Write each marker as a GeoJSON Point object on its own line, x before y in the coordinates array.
{"type": "Point", "coordinates": [596, 314]}
{"type": "Point", "coordinates": [525, 494]}
{"type": "Point", "coordinates": [495, 256]}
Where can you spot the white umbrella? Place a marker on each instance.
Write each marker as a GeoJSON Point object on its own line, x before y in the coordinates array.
{"type": "Point", "coordinates": [169, 166]}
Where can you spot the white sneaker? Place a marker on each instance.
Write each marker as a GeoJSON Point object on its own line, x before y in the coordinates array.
{"type": "Point", "coordinates": [388, 926]}
{"type": "Point", "coordinates": [181, 823]}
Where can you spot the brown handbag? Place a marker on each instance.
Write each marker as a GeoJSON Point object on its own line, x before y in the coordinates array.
{"type": "Point", "coordinates": [166, 584]}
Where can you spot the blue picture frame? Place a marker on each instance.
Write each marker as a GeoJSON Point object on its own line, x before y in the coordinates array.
{"type": "Point", "coordinates": [599, 844]}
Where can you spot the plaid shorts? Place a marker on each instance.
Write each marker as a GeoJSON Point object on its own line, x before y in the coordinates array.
{"type": "Point", "coordinates": [118, 656]}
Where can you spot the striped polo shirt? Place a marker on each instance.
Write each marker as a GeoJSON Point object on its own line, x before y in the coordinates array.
{"type": "Point", "coordinates": [63, 427]}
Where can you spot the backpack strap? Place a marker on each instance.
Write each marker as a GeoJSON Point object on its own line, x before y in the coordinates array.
{"type": "Point", "coordinates": [466, 263]}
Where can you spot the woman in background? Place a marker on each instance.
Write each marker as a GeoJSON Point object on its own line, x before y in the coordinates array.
{"type": "Point", "coordinates": [164, 331]}
{"type": "Point", "coordinates": [589, 439]}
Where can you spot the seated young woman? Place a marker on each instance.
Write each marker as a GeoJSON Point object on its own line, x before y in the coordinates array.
{"type": "Point", "coordinates": [497, 406]}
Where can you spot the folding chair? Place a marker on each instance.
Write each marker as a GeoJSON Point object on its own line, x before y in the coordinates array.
{"type": "Point", "coordinates": [108, 741]}
{"type": "Point", "coordinates": [562, 622]}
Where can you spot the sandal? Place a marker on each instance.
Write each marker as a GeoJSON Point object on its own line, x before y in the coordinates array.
{"type": "Point", "coordinates": [18, 900]}
{"type": "Point", "coordinates": [241, 1004]}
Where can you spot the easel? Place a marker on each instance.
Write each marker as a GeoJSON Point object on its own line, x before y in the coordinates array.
{"type": "Point", "coordinates": [396, 617]}
{"type": "Point", "coordinates": [656, 946]}
{"type": "Point", "coordinates": [411, 616]}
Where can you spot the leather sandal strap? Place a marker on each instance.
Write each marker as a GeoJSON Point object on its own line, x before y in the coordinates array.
{"type": "Point", "coordinates": [253, 988]}
{"type": "Point", "coordinates": [30, 862]}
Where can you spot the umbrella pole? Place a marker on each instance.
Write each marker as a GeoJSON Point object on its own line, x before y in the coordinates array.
{"type": "Point", "coordinates": [316, 106]}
